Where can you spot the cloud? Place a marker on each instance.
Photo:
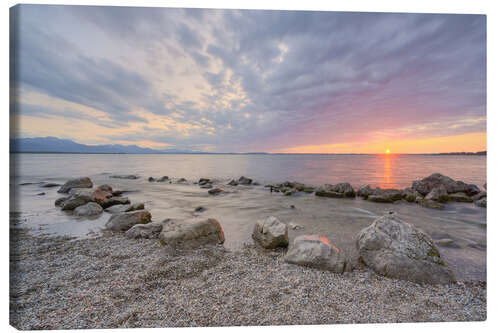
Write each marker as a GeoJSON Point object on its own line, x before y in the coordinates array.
{"type": "Point", "coordinates": [242, 80]}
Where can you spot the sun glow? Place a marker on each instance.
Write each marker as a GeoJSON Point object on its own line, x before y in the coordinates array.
{"type": "Point", "coordinates": [387, 151]}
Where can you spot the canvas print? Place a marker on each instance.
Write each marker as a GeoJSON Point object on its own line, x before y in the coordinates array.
{"type": "Point", "coordinates": [218, 167]}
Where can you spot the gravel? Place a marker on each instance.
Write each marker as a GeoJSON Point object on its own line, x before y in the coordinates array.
{"type": "Point", "coordinates": [114, 282]}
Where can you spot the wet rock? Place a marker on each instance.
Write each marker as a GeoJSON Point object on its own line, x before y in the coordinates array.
{"type": "Point", "coordinates": [244, 181]}
{"type": "Point", "coordinates": [136, 206]}
{"type": "Point", "coordinates": [106, 188]}
{"type": "Point", "coordinates": [89, 209]}
{"type": "Point", "coordinates": [151, 179]}
{"type": "Point", "coordinates": [124, 176]}
{"type": "Point", "coordinates": [481, 202]}
{"type": "Point", "coordinates": [117, 209]}
{"type": "Point", "coordinates": [59, 201]}
{"type": "Point", "coordinates": [270, 233]}
{"type": "Point", "coordinates": [385, 195]}
{"type": "Point", "coordinates": [149, 231]}
{"type": "Point", "coordinates": [215, 191]}
{"type": "Point", "coordinates": [317, 252]}
{"type": "Point", "coordinates": [200, 209]}
{"type": "Point", "coordinates": [438, 193]}
{"type": "Point", "coordinates": [290, 191]}
{"type": "Point", "coordinates": [460, 197]}
{"type": "Point", "coordinates": [204, 181]}
{"type": "Point", "coordinates": [191, 233]}
{"type": "Point", "coordinates": [76, 200]}
{"type": "Point", "coordinates": [396, 249]}
{"type": "Point", "coordinates": [478, 196]}
{"type": "Point", "coordinates": [125, 221]}
{"type": "Point", "coordinates": [46, 185]}
{"type": "Point", "coordinates": [426, 185]}
{"type": "Point", "coordinates": [182, 180]}
{"type": "Point", "coordinates": [341, 190]}
{"type": "Point", "coordinates": [83, 182]}
{"type": "Point", "coordinates": [29, 183]}
{"type": "Point", "coordinates": [99, 196]}
{"type": "Point", "coordinates": [365, 191]}
{"type": "Point", "coordinates": [115, 201]}
{"type": "Point", "coordinates": [41, 193]}
{"type": "Point", "coordinates": [162, 179]}
{"type": "Point", "coordinates": [410, 195]}
{"type": "Point", "coordinates": [233, 183]}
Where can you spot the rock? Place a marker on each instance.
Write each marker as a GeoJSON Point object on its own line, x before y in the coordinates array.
{"type": "Point", "coordinates": [290, 191]}
{"type": "Point", "coordinates": [125, 221]}
{"type": "Point", "coordinates": [460, 197]}
{"type": "Point", "coordinates": [149, 230]}
{"type": "Point", "coordinates": [59, 201]}
{"type": "Point", "coordinates": [76, 200]}
{"type": "Point", "coordinates": [410, 195]}
{"type": "Point", "coordinates": [115, 201]}
{"type": "Point", "coordinates": [41, 193]}
{"type": "Point", "coordinates": [191, 233]}
{"type": "Point", "coordinates": [162, 179]}
{"type": "Point", "coordinates": [341, 190]}
{"type": "Point", "coordinates": [204, 181]}
{"type": "Point", "coordinates": [200, 209]}
{"type": "Point", "coordinates": [317, 252]}
{"type": "Point", "coordinates": [124, 176]}
{"type": "Point", "coordinates": [365, 191]}
{"type": "Point", "coordinates": [292, 206]}
{"type": "Point", "coordinates": [117, 209]}
{"type": "Point", "coordinates": [481, 202]}
{"type": "Point", "coordinates": [396, 249]}
{"type": "Point", "coordinates": [106, 188]}
{"type": "Point", "coordinates": [294, 226]}
{"type": "Point", "coordinates": [45, 185]}
{"type": "Point", "coordinates": [426, 185]}
{"type": "Point", "coordinates": [215, 191]}
{"type": "Point", "coordinates": [182, 180]}
{"type": "Point", "coordinates": [478, 196]}
{"type": "Point", "coordinates": [89, 209]}
{"type": "Point", "coordinates": [270, 233]}
{"type": "Point", "coordinates": [233, 183]}
{"type": "Point", "coordinates": [83, 182]}
{"type": "Point", "coordinates": [429, 203]}
{"type": "Point", "coordinates": [244, 181]}
{"type": "Point", "coordinates": [136, 206]}
{"type": "Point", "coordinates": [385, 195]}
{"type": "Point", "coordinates": [438, 193]}
{"type": "Point", "coordinates": [99, 196]}
{"type": "Point", "coordinates": [151, 179]}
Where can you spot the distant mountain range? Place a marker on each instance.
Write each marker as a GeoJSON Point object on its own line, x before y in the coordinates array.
{"type": "Point", "coordinates": [56, 145]}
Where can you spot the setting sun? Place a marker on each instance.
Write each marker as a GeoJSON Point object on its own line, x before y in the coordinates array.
{"type": "Point", "coordinates": [387, 151]}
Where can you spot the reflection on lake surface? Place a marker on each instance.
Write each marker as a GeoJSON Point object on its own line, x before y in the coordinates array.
{"type": "Point", "coordinates": [337, 219]}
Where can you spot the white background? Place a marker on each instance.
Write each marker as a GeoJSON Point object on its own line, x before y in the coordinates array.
{"type": "Point", "coordinates": [490, 8]}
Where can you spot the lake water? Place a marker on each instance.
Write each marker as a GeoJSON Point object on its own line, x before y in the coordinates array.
{"type": "Point", "coordinates": [338, 219]}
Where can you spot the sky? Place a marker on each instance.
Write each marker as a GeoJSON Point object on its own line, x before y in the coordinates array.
{"type": "Point", "coordinates": [248, 80]}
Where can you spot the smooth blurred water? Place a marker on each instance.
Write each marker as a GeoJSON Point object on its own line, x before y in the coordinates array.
{"type": "Point", "coordinates": [340, 220]}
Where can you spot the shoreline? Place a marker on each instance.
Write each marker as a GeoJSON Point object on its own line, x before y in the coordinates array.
{"type": "Point", "coordinates": [114, 282]}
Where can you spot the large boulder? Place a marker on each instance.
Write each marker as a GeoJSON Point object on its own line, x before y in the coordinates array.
{"type": "Point", "coordinates": [317, 252]}
{"type": "Point", "coordinates": [125, 221]}
{"type": "Point", "coordinates": [76, 200]}
{"type": "Point", "coordinates": [424, 186]}
{"type": "Point", "coordinates": [149, 230]}
{"type": "Point", "coordinates": [191, 233]}
{"type": "Point", "coordinates": [83, 182]}
{"type": "Point", "coordinates": [438, 193]}
{"type": "Point", "coordinates": [396, 249]}
{"type": "Point", "coordinates": [341, 190]}
{"type": "Point", "coordinates": [270, 233]}
{"type": "Point", "coordinates": [89, 209]}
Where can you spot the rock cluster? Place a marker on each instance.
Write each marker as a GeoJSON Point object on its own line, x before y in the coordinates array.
{"type": "Point", "coordinates": [341, 190]}
{"type": "Point", "coordinates": [289, 188]}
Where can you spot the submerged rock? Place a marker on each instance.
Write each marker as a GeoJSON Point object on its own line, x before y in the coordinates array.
{"type": "Point", "coordinates": [89, 209]}
{"type": "Point", "coordinates": [162, 179]}
{"type": "Point", "coordinates": [204, 181]}
{"type": "Point", "coordinates": [149, 231]}
{"type": "Point", "coordinates": [341, 190]}
{"type": "Point", "coordinates": [83, 182]}
{"type": "Point", "coordinates": [151, 179]}
{"type": "Point", "coordinates": [244, 181]}
{"type": "Point", "coordinates": [125, 221]}
{"type": "Point", "coordinates": [124, 176]}
{"type": "Point", "coordinates": [191, 233]}
{"type": "Point", "coordinates": [41, 193]}
{"type": "Point", "coordinates": [396, 249]}
{"type": "Point", "coordinates": [233, 183]}
{"type": "Point", "coordinates": [46, 185]}
{"type": "Point", "coordinates": [215, 191]}
{"type": "Point", "coordinates": [270, 233]}
{"type": "Point", "coordinates": [317, 252]}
